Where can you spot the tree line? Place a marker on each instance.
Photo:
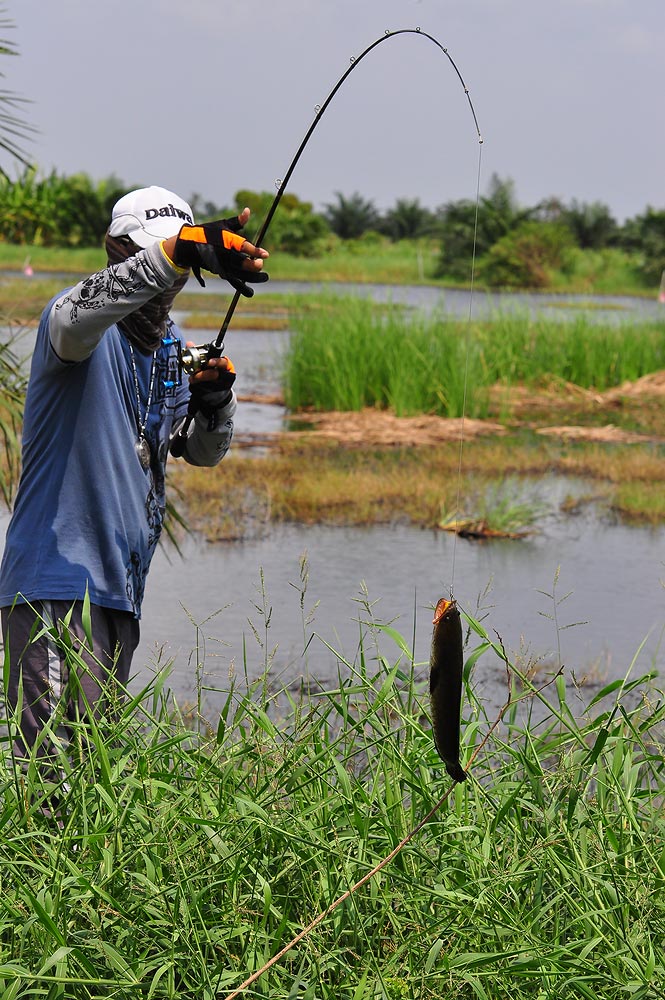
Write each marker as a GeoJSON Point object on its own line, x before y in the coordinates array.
{"type": "Point", "coordinates": [509, 245]}
{"type": "Point", "coordinates": [512, 245]}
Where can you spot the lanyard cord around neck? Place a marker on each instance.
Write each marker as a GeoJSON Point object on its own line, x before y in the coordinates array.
{"type": "Point", "coordinates": [141, 426]}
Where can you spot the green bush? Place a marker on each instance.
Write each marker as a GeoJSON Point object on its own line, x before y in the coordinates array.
{"type": "Point", "coordinates": [645, 235]}
{"type": "Point", "coordinates": [527, 256]}
{"type": "Point", "coordinates": [56, 211]}
{"type": "Point", "coordinates": [295, 228]}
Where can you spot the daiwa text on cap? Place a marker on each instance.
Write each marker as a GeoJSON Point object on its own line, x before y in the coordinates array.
{"type": "Point", "coordinates": [149, 214]}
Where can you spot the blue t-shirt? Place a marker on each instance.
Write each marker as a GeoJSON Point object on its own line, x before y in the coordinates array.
{"type": "Point", "coordinates": [87, 515]}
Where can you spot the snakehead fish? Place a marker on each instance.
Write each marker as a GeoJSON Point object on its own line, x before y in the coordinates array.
{"type": "Point", "coordinates": [445, 685]}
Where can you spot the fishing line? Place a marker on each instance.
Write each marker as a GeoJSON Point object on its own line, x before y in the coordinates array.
{"type": "Point", "coordinates": [467, 351]}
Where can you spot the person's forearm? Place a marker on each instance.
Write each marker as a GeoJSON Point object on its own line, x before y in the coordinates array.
{"type": "Point", "coordinates": [207, 448]}
{"type": "Point", "coordinates": [80, 317]}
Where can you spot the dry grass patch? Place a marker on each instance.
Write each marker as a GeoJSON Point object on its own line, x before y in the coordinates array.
{"type": "Point", "coordinates": [614, 464]}
{"type": "Point", "coordinates": [309, 479]}
{"type": "Point", "coordinates": [244, 321]}
{"type": "Point", "coordinates": [608, 434]}
{"type": "Point", "coordinates": [317, 482]}
{"type": "Point", "coordinates": [372, 427]}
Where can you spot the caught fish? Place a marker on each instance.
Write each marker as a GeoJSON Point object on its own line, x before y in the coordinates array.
{"type": "Point", "coordinates": [445, 685]}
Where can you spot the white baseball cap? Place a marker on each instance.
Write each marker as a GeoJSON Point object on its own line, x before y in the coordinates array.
{"type": "Point", "coordinates": [148, 215]}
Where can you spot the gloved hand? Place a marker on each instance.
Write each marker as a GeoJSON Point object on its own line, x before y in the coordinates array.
{"type": "Point", "coordinates": [218, 247]}
{"type": "Point", "coordinates": [210, 395]}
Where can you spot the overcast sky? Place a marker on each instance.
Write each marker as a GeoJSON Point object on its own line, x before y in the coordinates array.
{"type": "Point", "coordinates": [210, 96]}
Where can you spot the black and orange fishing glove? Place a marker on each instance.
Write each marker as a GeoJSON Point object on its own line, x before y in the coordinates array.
{"type": "Point", "coordinates": [209, 396]}
{"type": "Point", "coordinates": [215, 247]}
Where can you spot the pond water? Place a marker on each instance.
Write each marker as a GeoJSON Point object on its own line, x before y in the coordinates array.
{"type": "Point", "coordinates": [461, 303]}
{"type": "Point", "coordinates": [582, 592]}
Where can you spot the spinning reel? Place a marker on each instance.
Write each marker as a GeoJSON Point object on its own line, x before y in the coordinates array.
{"type": "Point", "coordinates": [194, 359]}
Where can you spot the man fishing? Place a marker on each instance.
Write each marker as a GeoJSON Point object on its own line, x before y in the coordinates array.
{"type": "Point", "coordinates": [104, 399]}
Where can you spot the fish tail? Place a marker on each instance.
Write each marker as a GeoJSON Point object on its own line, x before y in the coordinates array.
{"type": "Point", "coordinates": [455, 770]}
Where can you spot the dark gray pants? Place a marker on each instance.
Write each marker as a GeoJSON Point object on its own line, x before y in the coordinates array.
{"type": "Point", "coordinates": [41, 689]}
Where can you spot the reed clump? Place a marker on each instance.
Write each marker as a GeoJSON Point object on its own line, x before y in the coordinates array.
{"type": "Point", "coordinates": [438, 364]}
{"type": "Point", "coordinates": [176, 855]}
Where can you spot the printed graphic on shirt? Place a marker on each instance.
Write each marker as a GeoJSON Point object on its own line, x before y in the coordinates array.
{"type": "Point", "coordinates": [155, 517]}
{"type": "Point", "coordinates": [99, 289]}
{"type": "Point", "coordinates": [136, 574]}
{"type": "Point", "coordinates": [136, 567]}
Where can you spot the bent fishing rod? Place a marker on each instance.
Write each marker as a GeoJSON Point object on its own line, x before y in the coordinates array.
{"type": "Point", "coordinates": [194, 359]}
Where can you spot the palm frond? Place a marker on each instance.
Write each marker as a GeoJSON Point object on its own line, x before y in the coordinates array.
{"type": "Point", "coordinates": [14, 130]}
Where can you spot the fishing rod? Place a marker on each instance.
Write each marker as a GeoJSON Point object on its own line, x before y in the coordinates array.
{"type": "Point", "coordinates": [194, 359]}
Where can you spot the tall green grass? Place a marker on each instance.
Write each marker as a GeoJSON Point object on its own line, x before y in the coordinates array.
{"type": "Point", "coordinates": [187, 855]}
{"type": "Point", "coordinates": [579, 350]}
{"type": "Point", "coordinates": [355, 354]}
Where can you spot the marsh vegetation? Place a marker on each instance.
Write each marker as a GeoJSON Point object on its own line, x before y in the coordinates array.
{"type": "Point", "coordinates": [376, 390]}
{"type": "Point", "coordinates": [184, 852]}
